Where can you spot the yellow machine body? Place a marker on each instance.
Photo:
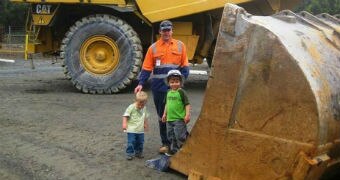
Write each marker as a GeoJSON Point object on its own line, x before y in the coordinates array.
{"type": "Point", "coordinates": [152, 11]}
{"type": "Point", "coordinates": [53, 23]}
{"type": "Point", "coordinates": [117, 2]}
{"type": "Point", "coordinates": [158, 10]}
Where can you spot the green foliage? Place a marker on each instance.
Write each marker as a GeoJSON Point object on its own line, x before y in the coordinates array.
{"type": "Point", "coordinates": [320, 6]}
{"type": "Point", "coordinates": [13, 14]}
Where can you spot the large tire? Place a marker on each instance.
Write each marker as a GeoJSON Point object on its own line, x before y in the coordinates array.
{"type": "Point", "coordinates": [102, 54]}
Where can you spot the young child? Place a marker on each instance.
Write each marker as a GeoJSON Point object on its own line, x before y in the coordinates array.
{"type": "Point", "coordinates": [176, 112]}
{"type": "Point", "coordinates": [135, 121]}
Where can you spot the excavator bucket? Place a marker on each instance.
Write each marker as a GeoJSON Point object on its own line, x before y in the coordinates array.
{"type": "Point", "coordinates": [272, 103]}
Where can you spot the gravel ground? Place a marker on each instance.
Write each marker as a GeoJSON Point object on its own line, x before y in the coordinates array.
{"type": "Point", "coordinates": [49, 130]}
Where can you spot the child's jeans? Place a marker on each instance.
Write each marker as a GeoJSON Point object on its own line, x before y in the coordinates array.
{"type": "Point", "coordinates": [177, 134]}
{"type": "Point", "coordinates": [135, 143]}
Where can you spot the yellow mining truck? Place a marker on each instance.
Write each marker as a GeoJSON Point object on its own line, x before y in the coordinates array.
{"type": "Point", "coordinates": [272, 104]}
{"type": "Point", "coordinates": [101, 42]}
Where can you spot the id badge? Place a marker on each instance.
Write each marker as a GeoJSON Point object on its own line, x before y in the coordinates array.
{"type": "Point", "coordinates": [158, 62]}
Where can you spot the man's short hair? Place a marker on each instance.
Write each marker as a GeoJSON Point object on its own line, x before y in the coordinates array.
{"type": "Point", "coordinates": [165, 25]}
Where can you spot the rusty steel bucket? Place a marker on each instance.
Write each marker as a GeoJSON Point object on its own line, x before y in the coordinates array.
{"type": "Point", "coordinates": [272, 104]}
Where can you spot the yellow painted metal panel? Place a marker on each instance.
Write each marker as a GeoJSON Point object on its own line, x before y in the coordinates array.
{"type": "Point", "coordinates": [156, 10]}
{"type": "Point", "coordinates": [30, 49]}
{"type": "Point", "coordinates": [41, 19]}
{"type": "Point", "coordinates": [190, 42]}
{"type": "Point", "coordinates": [182, 28]}
{"type": "Point", "coordinates": [118, 2]}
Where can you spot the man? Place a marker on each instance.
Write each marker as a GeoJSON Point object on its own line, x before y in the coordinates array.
{"type": "Point", "coordinates": [162, 56]}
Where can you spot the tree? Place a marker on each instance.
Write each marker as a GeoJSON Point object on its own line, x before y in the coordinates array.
{"type": "Point", "coordinates": [320, 6]}
{"type": "Point", "coordinates": [13, 14]}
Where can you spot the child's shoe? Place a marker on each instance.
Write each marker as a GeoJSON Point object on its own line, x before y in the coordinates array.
{"type": "Point", "coordinates": [129, 158]}
{"type": "Point", "coordinates": [170, 153]}
{"type": "Point", "coordinates": [140, 155]}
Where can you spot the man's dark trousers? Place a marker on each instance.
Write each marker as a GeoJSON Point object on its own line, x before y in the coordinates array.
{"type": "Point", "coordinates": [159, 100]}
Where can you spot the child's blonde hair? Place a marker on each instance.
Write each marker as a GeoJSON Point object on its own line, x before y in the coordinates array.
{"type": "Point", "coordinates": [141, 96]}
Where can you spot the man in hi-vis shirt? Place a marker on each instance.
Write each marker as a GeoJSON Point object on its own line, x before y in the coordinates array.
{"type": "Point", "coordinates": [162, 56]}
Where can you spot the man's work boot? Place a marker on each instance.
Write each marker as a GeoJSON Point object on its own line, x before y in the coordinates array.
{"type": "Point", "coordinates": [163, 149]}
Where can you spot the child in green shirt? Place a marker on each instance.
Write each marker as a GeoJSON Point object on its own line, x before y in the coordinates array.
{"type": "Point", "coordinates": [176, 112]}
{"type": "Point", "coordinates": [135, 120]}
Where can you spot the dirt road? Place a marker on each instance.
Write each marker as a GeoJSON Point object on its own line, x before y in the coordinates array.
{"type": "Point", "coordinates": [49, 130]}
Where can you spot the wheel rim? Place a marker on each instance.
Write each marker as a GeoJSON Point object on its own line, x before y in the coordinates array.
{"type": "Point", "coordinates": [99, 55]}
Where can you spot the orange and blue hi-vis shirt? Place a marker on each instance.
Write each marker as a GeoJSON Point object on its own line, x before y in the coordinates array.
{"type": "Point", "coordinates": [160, 58]}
